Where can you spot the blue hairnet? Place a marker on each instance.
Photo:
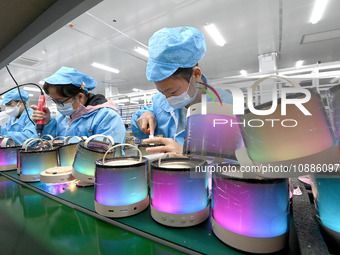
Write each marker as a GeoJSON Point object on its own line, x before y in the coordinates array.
{"type": "Point", "coordinates": [66, 75]}
{"type": "Point", "coordinates": [14, 95]}
{"type": "Point", "coordinates": [172, 48]}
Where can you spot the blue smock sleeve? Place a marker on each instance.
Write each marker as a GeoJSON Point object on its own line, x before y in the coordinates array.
{"type": "Point", "coordinates": [27, 130]}
{"type": "Point", "coordinates": [108, 122]}
{"type": "Point", "coordinates": [50, 128]}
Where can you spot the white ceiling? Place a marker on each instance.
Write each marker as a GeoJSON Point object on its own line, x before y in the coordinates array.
{"type": "Point", "coordinates": [250, 27]}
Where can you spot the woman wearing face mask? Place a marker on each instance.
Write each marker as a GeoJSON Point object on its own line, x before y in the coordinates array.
{"type": "Point", "coordinates": [81, 113]}
{"type": "Point", "coordinates": [173, 67]}
{"type": "Point", "coordinates": [18, 126]}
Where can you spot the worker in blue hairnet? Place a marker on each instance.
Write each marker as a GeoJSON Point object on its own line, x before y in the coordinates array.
{"type": "Point", "coordinates": [173, 67]}
{"type": "Point", "coordinates": [18, 127]}
{"type": "Point", "coordinates": [81, 113]}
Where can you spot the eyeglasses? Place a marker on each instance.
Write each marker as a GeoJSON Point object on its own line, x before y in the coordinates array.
{"type": "Point", "coordinates": [61, 102]}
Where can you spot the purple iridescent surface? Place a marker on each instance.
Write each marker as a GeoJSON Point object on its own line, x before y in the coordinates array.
{"type": "Point", "coordinates": [212, 134]}
{"type": "Point", "coordinates": [177, 192]}
{"type": "Point", "coordinates": [252, 209]}
{"type": "Point", "coordinates": [8, 156]}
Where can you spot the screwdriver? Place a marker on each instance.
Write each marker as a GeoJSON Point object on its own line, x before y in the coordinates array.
{"type": "Point", "coordinates": [41, 123]}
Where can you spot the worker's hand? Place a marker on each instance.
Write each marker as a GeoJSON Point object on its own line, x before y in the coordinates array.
{"type": "Point", "coordinates": [147, 120]}
{"type": "Point", "coordinates": [170, 145]}
{"type": "Point", "coordinates": [38, 115]}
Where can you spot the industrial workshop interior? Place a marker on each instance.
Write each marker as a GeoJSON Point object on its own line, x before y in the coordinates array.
{"type": "Point", "coordinates": [169, 127]}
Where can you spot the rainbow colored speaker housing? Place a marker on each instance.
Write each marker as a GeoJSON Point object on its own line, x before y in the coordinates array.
{"type": "Point", "coordinates": [8, 154]}
{"type": "Point", "coordinates": [266, 143]}
{"type": "Point", "coordinates": [333, 96]}
{"type": "Point", "coordinates": [34, 160]}
{"type": "Point", "coordinates": [210, 132]}
{"type": "Point", "coordinates": [179, 197]}
{"type": "Point", "coordinates": [251, 215]}
{"type": "Point", "coordinates": [67, 152]}
{"type": "Point", "coordinates": [326, 191]}
{"type": "Point", "coordinates": [88, 152]}
{"type": "Point", "coordinates": [121, 185]}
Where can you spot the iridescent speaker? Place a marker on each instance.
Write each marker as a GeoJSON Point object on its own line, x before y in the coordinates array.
{"type": "Point", "coordinates": [210, 131]}
{"type": "Point", "coordinates": [19, 149]}
{"type": "Point", "coordinates": [67, 151]}
{"type": "Point", "coordinates": [150, 157]}
{"type": "Point", "coordinates": [35, 159]}
{"type": "Point", "coordinates": [121, 185]}
{"type": "Point", "coordinates": [179, 197]}
{"type": "Point", "coordinates": [8, 154]}
{"type": "Point", "coordinates": [282, 136]}
{"type": "Point", "coordinates": [88, 152]}
{"type": "Point", "coordinates": [251, 215]}
{"type": "Point", "coordinates": [326, 191]}
{"type": "Point", "coordinates": [57, 175]}
{"type": "Point", "coordinates": [142, 147]}
{"type": "Point", "coordinates": [333, 95]}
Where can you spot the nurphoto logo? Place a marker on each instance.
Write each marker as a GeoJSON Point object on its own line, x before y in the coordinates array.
{"type": "Point", "coordinates": [239, 106]}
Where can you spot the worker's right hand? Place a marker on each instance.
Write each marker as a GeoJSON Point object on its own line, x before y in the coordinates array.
{"type": "Point", "coordinates": [39, 115]}
{"type": "Point", "coordinates": [147, 120]}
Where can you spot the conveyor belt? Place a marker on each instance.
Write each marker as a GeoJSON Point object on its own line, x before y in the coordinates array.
{"type": "Point", "coordinates": [194, 240]}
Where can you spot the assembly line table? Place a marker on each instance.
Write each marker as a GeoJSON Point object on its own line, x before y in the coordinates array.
{"type": "Point", "coordinates": [61, 219]}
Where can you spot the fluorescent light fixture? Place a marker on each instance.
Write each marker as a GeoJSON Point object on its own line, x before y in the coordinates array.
{"type": "Point", "coordinates": [299, 63]}
{"type": "Point", "coordinates": [142, 51]}
{"type": "Point", "coordinates": [121, 104]}
{"type": "Point", "coordinates": [318, 10]}
{"type": "Point", "coordinates": [309, 69]}
{"type": "Point", "coordinates": [41, 82]}
{"type": "Point", "coordinates": [30, 95]}
{"type": "Point", "coordinates": [104, 67]}
{"type": "Point", "coordinates": [34, 89]}
{"type": "Point", "coordinates": [136, 90]}
{"type": "Point", "coordinates": [243, 72]}
{"type": "Point", "coordinates": [215, 34]}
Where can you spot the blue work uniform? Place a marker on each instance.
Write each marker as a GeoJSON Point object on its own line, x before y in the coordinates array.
{"type": "Point", "coordinates": [104, 120]}
{"type": "Point", "coordinates": [20, 129]}
{"type": "Point", "coordinates": [170, 121]}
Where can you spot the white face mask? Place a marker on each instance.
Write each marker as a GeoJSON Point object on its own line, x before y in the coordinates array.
{"type": "Point", "coordinates": [66, 109]}
{"type": "Point", "coordinates": [178, 102]}
{"type": "Point", "coordinates": [13, 110]}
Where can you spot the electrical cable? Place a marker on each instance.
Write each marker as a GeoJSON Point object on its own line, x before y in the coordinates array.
{"type": "Point", "coordinates": [18, 87]}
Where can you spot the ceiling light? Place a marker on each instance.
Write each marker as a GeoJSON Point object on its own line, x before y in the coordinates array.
{"type": "Point", "coordinates": [215, 34]}
{"type": "Point", "coordinates": [104, 67]}
{"type": "Point", "coordinates": [136, 90]}
{"type": "Point", "coordinates": [31, 89]}
{"type": "Point", "coordinates": [299, 63]}
{"type": "Point", "coordinates": [243, 72]}
{"type": "Point", "coordinates": [41, 82]}
{"type": "Point", "coordinates": [142, 51]}
{"type": "Point", "coordinates": [30, 95]}
{"type": "Point", "coordinates": [318, 9]}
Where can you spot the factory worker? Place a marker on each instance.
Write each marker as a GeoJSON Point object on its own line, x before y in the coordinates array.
{"type": "Point", "coordinates": [81, 113]}
{"type": "Point", "coordinates": [173, 67]}
{"type": "Point", "coordinates": [18, 126]}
